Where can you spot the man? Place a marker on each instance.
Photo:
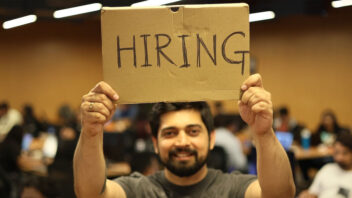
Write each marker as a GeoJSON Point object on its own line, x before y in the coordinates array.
{"type": "Point", "coordinates": [334, 179]}
{"type": "Point", "coordinates": [182, 137]}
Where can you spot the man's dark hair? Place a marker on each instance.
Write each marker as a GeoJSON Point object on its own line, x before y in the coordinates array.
{"type": "Point", "coordinates": [162, 108]}
{"type": "Point", "coordinates": [4, 105]}
{"type": "Point", "coordinates": [345, 138]}
{"type": "Point", "coordinates": [283, 111]}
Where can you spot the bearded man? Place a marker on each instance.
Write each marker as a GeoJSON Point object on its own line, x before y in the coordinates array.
{"type": "Point", "coordinates": [183, 135]}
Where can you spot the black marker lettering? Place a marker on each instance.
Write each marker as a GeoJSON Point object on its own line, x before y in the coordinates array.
{"type": "Point", "coordinates": [158, 48]}
{"type": "Point", "coordinates": [224, 46]}
{"type": "Point", "coordinates": [119, 49]}
{"type": "Point", "coordinates": [200, 41]}
{"type": "Point", "coordinates": [184, 50]}
{"type": "Point", "coordinates": [243, 58]}
{"type": "Point", "coordinates": [146, 64]}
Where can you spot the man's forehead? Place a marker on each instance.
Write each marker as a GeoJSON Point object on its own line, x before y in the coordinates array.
{"type": "Point", "coordinates": [181, 118]}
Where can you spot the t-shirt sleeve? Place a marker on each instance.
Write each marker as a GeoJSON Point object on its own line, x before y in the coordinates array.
{"type": "Point", "coordinates": [241, 183]}
{"type": "Point", "coordinates": [315, 187]}
{"type": "Point", "coordinates": [130, 183]}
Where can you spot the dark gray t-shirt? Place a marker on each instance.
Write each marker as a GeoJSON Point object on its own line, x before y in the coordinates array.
{"type": "Point", "coordinates": [215, 184]}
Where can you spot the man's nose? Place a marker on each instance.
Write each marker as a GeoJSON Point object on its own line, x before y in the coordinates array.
{"type": "Point", "coordinates": [182, 139]}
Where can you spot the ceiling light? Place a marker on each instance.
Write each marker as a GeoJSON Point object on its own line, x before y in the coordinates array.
{"type": "Point", "coordinates": [77, 10]}
{"type": "Point", "coordinates": [260, 16]}
{"type": "Point", "coordinates": [341, 3]}
{"type": "Point", "coordinates": [19, 21]}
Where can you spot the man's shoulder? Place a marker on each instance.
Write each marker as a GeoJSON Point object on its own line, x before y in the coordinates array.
{"type": "Point", "coordinates": [330, 167]}
{"type": "Point", "coordinates": [236, 183]}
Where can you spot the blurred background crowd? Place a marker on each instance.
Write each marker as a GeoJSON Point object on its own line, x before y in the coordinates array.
{"type": "Point", "coordinates": [36, 155]}
{"type": "Point", "coordinates": [303, 55]}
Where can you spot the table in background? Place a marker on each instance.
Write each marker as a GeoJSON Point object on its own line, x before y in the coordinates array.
{"type": "Point", "coordinates": [312, 152]}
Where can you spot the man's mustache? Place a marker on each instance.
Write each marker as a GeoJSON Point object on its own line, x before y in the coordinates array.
{"type": "Point", "coordinates": [185, 150]}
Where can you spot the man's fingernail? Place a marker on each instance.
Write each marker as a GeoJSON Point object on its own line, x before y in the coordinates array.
{"type": "Point", "coordinates": [244, 87]}
{"type": "Point", "coordinates": [116, 97]}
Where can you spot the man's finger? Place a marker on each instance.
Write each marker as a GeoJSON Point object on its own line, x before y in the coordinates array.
{"type": "Point", "coordinates": [254, 80]}
{"type": "Point", "coordinates": [104, 88]}
{"type": "Point", "coordinates": [101, 98]}
{"type": "Point", "coordinates": [95, 117]}
{"type": "Point", "coordinates": [97, 107]}
{"type": "Point", "coordinates": [260, 107]}
{"type": "Point", "coordinates": [254, 92]}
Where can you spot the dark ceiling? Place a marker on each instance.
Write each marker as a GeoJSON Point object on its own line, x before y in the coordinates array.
{"type": "Point", "coordinates": [10, 9]}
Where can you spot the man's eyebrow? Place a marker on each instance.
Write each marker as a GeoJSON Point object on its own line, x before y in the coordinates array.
{"type": "Point", "coordinates": [168, 128]}
{"type": "Point", "coordinates": [175, 128]}
{"type": "Point", "coordinates": [194, 125]}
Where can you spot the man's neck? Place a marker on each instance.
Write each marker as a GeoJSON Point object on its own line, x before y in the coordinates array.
{"type": "Point", "coordinates": [186, 181]}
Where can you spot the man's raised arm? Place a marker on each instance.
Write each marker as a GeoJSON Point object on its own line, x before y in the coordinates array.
{"type": "Point", "coordinates": [275, 178]}
{"type": "Point", "coordinates": [97, 107]}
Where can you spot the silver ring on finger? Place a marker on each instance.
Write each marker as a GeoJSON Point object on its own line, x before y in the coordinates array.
{"type": "Point", "coordinates": [90, 108]}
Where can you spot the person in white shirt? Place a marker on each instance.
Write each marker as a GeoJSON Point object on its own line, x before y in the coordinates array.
{"type": "Point", "coordinates": [334, 180]}
{"type": "Point", "coordinates": [8, 118]}
{"type": "Point", "coordinates": [225, 138]}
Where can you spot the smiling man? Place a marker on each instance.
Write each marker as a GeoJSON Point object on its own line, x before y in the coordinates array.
{"type": "Point", "coordinates": [183, 135]}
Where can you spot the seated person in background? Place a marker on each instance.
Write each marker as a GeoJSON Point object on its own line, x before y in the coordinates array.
{"type": "Point", "coordinates": [68, 118]}
{"type": "Point", "coordinates": [61, 168]}
{"type": "Point", "coordinates": [284, 122]}
{"type": "Point", "coordinates": [8, 118]}
{"type": "Point", "coordinates": [334, 180]}
{"type": "Point", "coordinates": [328, 129]}
{"type": "Point", "coordinates": [38, 187]}
{"type": "Point", "coordinates": [123, 118]}
{"type": "Point", "coordinates": [225, 127]}
{"type": "Point", "coordinates": [10, 151]}
{"type": "Point", "coordinates": [183, 135]}
{"type": "Point", "coordinates": [31, 124]}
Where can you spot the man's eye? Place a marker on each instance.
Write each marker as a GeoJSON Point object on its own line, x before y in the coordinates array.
{"type": "Point", "coordinates": [194, 131]}
{"type": "Point", "coordinates": [169, 133]}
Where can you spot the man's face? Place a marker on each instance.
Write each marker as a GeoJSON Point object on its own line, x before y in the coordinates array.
{"type": "Point", "coordinates": [183, 142]}
{"type": "Point", "coordinates": [343, 156]}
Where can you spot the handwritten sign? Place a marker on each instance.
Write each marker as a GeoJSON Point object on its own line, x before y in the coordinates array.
{"type": "Point", "coordinates": [182, 53]}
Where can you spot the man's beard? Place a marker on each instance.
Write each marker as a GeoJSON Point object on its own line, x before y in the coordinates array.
{"type": "Point", "coordinates": [180, 168]}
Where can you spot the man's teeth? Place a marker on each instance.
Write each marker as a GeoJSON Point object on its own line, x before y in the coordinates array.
{"type": "Point", "coordinates": [183, 154]}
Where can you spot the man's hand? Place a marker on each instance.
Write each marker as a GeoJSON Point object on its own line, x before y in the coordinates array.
{"type": "Point", "coordinates": [255, 106]}
{"type": "Point", "coordinates": [97, 108]}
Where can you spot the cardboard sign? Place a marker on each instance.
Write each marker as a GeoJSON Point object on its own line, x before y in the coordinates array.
{"type": "Point", "coordinates": [176, 53]}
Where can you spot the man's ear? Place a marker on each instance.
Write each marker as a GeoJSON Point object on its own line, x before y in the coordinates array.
{"type": "Point", "coordinates": [212, 139]}
{"type": "Point", "coordinates": [155, 144]}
